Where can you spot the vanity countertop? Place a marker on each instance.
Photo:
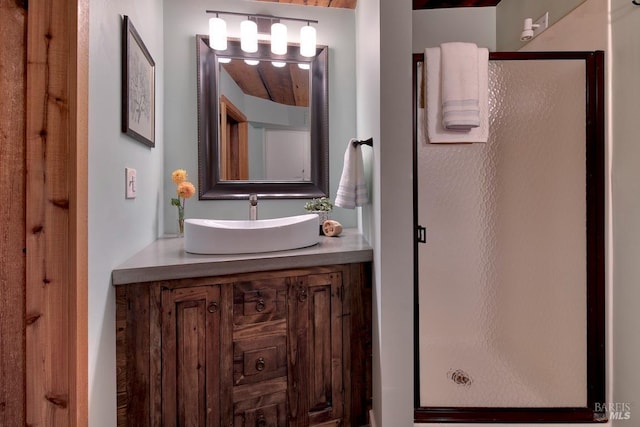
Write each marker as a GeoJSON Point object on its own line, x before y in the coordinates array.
{"type": "Point", "coordinates": [165, 259]}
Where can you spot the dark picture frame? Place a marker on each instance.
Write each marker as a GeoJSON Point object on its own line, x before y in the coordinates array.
{"type": "Point", "coordinates": [138, 87]}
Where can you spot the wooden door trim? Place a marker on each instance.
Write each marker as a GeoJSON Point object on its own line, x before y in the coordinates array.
{"type": "Point", "coordinates": [56, 137]}
{"type": "Point", "coordinates": [12, 211]}
{"type": "Point", "coordinates": [234, 163]}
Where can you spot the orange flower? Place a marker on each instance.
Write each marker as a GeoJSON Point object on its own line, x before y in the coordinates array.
{"type": "Point", "coordinates": [185, 190]}
{"type": "Point", "coordinates": [179, 176]}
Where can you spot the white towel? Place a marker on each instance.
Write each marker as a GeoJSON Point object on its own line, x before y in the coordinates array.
{"type": "Point", "coordinates": [352, 190]}
{"type": "Point", "coordinates": [460, 92]}
{"type": "Point", "coordinates": [435, 129]}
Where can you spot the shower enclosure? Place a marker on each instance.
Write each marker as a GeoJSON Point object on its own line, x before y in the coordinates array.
{"type": "Point", "coordinates": [510, 277]}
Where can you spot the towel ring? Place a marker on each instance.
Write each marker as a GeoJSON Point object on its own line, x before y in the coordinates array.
{"type": "Point", "coordinates": [636, 2]}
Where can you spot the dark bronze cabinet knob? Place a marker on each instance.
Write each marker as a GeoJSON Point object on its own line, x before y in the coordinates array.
{"type": "Point", "coordinates": [260, 305]}
{"type": "Point", "coordinates": [260, 364]}
{"type": "Point", "coordinates": [261, 421]}
{"type": "Point", "coordinates": [213, 307]}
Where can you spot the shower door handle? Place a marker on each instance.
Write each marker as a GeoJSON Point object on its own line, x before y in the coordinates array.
{"type": "Point", "coordinates": [421, 234]}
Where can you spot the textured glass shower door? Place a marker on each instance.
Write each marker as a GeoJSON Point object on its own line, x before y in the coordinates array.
{"type": "Point", "coordinates": [502, 279]}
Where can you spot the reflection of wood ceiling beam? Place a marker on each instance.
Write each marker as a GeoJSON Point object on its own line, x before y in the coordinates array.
{"type": "Point", "coordinates": [288, 85]}
{"type": "Point", "coordinates": [300, 85]}
{"type": "Point", "coordinates": [438, 4]}
{"type": "Point", "coordinates": [417, 4]}
{"type": "Point", "coordinates": [247, 77]}
{"type": "Point", "coordinates": [277, 82]}
{"type": "Point", "coordinates": [347, 4]}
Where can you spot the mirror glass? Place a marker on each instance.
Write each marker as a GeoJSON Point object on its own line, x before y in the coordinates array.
{"type": "Point", "coordinates": [262, 122]}
{"type": "Point", "coordinates": [264, 116]}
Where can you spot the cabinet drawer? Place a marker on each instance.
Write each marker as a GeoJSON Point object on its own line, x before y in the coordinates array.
{"type": "Point", "coordinates": [267, 411]}
{"type": "Point", "coordinates": [259, 301]}
{"type": "Point", "coordinates": [259, 359]}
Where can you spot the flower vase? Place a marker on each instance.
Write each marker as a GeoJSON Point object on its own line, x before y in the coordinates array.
{"type": "Point", "coordinates": [180, 218]}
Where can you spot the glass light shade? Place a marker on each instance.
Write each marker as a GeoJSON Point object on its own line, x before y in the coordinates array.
{"type": "Point", "coordinates": [279, 38]}
{"type": "Point", "coordinates": [278, 64]}
{"type": "Point", "coordinates": [303, 66]}
{"type": "Point", "coordinates": [224, 60]}
{"type": "Point", "coordinates": [251, 61]}
{"type": "Point", "coordinates": [217, 34]}
{"type": "Point", "coordinates": [308, 41]}
{"type": "Point", "coordinates": [249, 36]}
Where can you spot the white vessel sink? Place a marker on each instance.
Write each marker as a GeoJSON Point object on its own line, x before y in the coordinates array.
{"type": "Point", "coordinates": [214, 236]}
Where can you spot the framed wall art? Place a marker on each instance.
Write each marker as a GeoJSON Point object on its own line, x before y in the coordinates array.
{"type": "Point", "coordinates": [138, 87]}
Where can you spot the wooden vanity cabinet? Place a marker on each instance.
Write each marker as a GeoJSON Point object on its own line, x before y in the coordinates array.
{"type": "Point", "coordinates": [277, 348]}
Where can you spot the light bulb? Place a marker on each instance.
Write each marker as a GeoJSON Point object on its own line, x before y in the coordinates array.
{"type": "Point", "coordinates": [308, 41]}
{"type": "Point", "coordinates": [249, 36]}
{"type": "Point", "coordinates": [279, 38]}
{"type": "Point", "coordinates": [217, 34]}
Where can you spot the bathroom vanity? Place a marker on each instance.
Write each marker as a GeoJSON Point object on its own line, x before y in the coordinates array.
{"type": "Point", "coordinates": [272, 339]}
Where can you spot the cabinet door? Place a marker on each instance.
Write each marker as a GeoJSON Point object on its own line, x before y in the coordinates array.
{"type": "Point", "coordinates": [191, 356]}
{"type": "Point", "coordinates": [315, 352]}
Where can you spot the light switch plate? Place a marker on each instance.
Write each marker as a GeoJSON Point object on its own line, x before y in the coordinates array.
{"type": "Point", "coordinates": [130, 183]}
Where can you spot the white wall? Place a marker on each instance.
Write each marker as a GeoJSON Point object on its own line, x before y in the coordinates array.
{"type": "Point", "coordinates": [510, 16]}
{"type": "Point", "coordinates": [585, 28]}
{"type": "Point", "coordinates": [395, 233]}
{"type": "Point", "coordinates": [182, 21]}
{"type": "Point", "coordinates": [431, 27]}
{"type": "Point", "coordinates": [118, 228]}
{"type": "Point", "coordinates": [384, 112]}
{"type": "Point", "coordinates": [625, 181]}
{"type": "Point", "coordinates": [368, 123]}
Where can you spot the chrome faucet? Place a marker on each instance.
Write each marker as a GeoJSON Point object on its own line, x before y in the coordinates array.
{"type": "Point", "coordinates": [253, 207]}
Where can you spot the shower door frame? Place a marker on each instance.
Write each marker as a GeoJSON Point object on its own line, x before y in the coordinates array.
{"type": "Point", "coordinates": [595, 261]}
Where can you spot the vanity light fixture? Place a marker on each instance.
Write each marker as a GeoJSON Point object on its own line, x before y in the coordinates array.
{"type": "Point", "coordinates": [249, 36]}
{"type": "Point", "coordinates": [217, 33]}
{"type": "Point", "coordinates": [308, 41]}
{"type": "Point", "coordinates": [279, 38]}
{"type": "Point", "coordinates": [250, 28]}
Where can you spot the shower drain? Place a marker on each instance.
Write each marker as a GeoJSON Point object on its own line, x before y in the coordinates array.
{"type": "Point", "coordinates": [459, 377]}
